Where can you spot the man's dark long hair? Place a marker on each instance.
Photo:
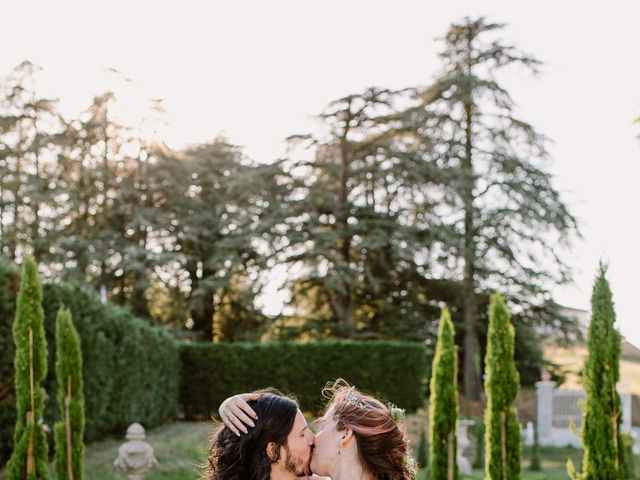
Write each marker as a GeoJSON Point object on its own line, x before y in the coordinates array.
{"type": "Point", "coordinates": [245, 457]}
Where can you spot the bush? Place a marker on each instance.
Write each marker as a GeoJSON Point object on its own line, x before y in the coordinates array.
{"type": "Point", "coordinates": [9, 284]}
{"type": "Point", "coordinates": [131, 369]}
{"type": "Point", "coordinates": [392, 371]}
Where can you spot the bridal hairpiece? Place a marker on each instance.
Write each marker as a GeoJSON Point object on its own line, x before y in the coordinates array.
{"type": "Point", "coordinates": [352, 399]}
{"type": "Point", "coordinates": [396, 413]}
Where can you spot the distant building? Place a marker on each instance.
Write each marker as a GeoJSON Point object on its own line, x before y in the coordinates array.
{"type": "Point", "coordinates": [583, 317]}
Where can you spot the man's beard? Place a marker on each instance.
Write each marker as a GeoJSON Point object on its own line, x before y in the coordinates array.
{"type": "Point", "coordinates": [296, 465]}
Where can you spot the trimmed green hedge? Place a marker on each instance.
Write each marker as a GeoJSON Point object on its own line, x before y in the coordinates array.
{"type": "Point", "coordinates": [131, 369]}
{"type": "Point", "coordinates": [9, 284]}
{"type": "Point", "coordinates": [392, 371]}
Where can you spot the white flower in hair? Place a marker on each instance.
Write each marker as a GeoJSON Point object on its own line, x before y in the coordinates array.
{"type": "Point", "coordinates": [352, 399]}
{"type": "Point", "coordinates": [396, 413]}
{"type": "Point", "coordinates": [411, 467]}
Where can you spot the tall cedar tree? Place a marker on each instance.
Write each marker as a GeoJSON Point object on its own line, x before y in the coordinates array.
{"type": "Point", "coordinates": [495, 194]}
{"type": "Point", "coordinates": [357, 221]}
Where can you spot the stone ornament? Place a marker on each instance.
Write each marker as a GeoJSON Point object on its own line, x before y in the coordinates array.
{"type": "Point", "coordinates": [135, 456]}
{"type": "Point", "coordinates": [464, 466]}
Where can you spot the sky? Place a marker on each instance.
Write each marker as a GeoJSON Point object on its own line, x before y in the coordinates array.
{"type": "Point", "coordinates": [257, 72]}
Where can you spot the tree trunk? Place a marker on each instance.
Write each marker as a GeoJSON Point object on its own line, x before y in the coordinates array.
{"type": "Point", "coordinates": [202, 316]}
{"type": "Point", "coordinates": [451, 457]}
{"type": "Point", "coordinates": [202, 309]}
{"type": "Point", "coordinates": [39, 246]}
{"type": "Point", "coordinates": [67, 425]}
{"type": "Point", "coordinates": [471, 375]}
{"type": "Point", "coordinates": [2, 243]}
{"type": "Point", "coordinates": [140, 279]}
{"type": "Point", "coordinates": [82, 222]}
{"type": "Point", "coordinates": [503, 443]}
{"type": "Point", "coordinates": [13, 245]}
{"type": "Point", "coordinates": [343, 300]}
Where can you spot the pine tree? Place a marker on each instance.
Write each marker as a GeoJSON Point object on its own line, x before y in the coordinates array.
{"type": "Point", "coordinates": [496, 194]}
{"type": "Point", "coordinates": [69, 431]}
{"type": "Point", "coordinates": [219, 204]}
{"type": "Point", "coordinates": [29, 142]}
{"type": "Point", "coordinates": [443, 403]}
{"type": "Point", "coordinates": [502, 382]}
{"type": "Point", "coordinates": [358, 221]}
{"type": "Point", "coordinates": [603, 452]}
{"type": "Point", "coordinates": [29, 458]}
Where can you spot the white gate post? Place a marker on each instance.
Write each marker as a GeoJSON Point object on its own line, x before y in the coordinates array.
{"type": "Point", "coordinates": [544, 397]}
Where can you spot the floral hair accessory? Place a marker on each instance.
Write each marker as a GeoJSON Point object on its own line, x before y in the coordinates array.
{"type": "Point", "coordinates": [410, 465]}
{"type": "Point", "coordinates": [352, 399]}
{"type": "Point", "coordinates": [396, 413]}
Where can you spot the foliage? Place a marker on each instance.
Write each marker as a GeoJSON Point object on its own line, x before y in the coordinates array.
{"type": "Point", "coordinates": [602, 440]}
{"type": "Point", "coordinates": [490, 182]}
{"type": "Point", "coordinates": [130, 369]}
{"type": "Point", "coordinates": [69, 430]}
{"type": "Point", "coordinates": [443, 403]}
{"type": "Point", "coordinates": [30, 453]}
{"type": "Point", "coordinates": [502, 382]}
{"type": "Point", "coordinates": [393, 371]}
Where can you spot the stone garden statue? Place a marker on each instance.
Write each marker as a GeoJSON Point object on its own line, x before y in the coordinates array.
{"type": "Point", "coordinates": [464, 466]}
{"type": "Point", "coordinates": [135, 456]}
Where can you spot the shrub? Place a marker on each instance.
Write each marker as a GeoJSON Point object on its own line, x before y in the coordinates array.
{"type": "Point", "coordinates": [393, 371]}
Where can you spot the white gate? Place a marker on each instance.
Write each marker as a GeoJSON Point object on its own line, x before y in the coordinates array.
{"type": "Point", "coordinates": [559, 409]}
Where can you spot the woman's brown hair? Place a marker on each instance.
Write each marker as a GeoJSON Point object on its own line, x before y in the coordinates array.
{"type": "Point", "coordinates": [383, 447]}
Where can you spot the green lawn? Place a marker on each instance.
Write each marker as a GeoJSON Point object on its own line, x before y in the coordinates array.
{"type": "Point", "coordinates": [181, 448]}
{"type": "Point", "coordinates": [553, 465]}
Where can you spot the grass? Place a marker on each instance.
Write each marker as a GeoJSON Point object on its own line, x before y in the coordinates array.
{"type": "Point", "coordinates": [553, 463]}
{"type": "Point", "coordinates": [181, 447]}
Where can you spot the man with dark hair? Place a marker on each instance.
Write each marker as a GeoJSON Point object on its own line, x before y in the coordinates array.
{"type": "Point", "coordinates": [277, 445]}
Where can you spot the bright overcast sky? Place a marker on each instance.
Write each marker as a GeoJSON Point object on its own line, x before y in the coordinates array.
{"type": "Point", "coordinates": [257, 72]}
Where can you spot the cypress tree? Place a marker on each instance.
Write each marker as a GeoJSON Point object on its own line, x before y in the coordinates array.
{"type": "Point", "coordinates": [443, 403]}
{"type": "Point", "coordinates": [29, 457]}
{"type": "Point", "coordinates": [69, 431]}
{"type": "Point", "coordinates": [603, 452]}
{"type": "Point", "coordinates": [502, 382]}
